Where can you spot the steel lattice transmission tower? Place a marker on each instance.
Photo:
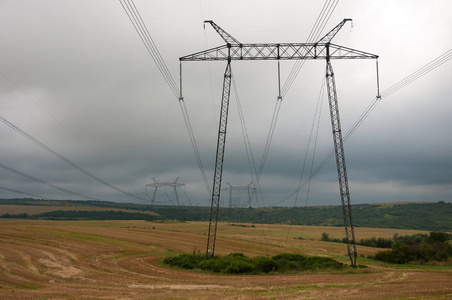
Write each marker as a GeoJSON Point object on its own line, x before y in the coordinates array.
{"type": "Point", "coordinates": [157, 185]}
{"type": "Point", "coordinates": [323, 49]}
{"type": "Point", "coordinates": [249, 188]}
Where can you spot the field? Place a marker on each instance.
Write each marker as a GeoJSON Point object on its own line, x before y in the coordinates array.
{"type": "Point", "coordinates": [36, 209]}
{"type": "Point", "coordinates": [122, 260]}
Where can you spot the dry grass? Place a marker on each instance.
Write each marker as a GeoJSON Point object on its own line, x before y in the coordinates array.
{"type": "Point", "coordinates": [121, 260]}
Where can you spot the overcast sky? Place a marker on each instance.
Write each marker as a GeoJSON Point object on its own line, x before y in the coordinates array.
{"type": "Point", "coordinates": [76, 77]}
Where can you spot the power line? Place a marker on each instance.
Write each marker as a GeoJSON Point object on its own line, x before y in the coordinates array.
{"type": "Point", "coordinates": [443, 58]}
{"type": "Point", "coordinates": [64, 159]}
{"type": "Point", "coordinates": [255, 176]}
{"type": "Point", "coordinates": [317, 29]}
{"type": "Point", "coordinates": [46, 111]}
{"type": "Point", "coordinates": [140, 27]}
{"type": "Point", "coordinates": [28, 136]}
{"type": "Point", "coordinates": [20, 192]}
{"type": "Point", "coordinates": [440, 60]}
{"type": "Point", "coordinates": [271, 131]}
{"type": "Point", "coordinates": [194, 144]}
{"type": "Point", "coordinates": [319, 110]}
{"type": "Point", "coordinates": [142, 30]}
{"type": "Point", "coordinates": [246, 139]}
{"type": "Point", "coordinates": [322, 19]}
{"type": "Point", "coordinates": [46, 183]}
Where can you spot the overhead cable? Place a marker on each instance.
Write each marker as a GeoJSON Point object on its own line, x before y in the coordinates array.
{"type": "Point", "coordinates": [319, 110]}
{"type": "Point", "coordinates": [317, 29]}
{"type": "Point", "coordinates": [255, 177]}
{"type": "Point", "coordinates": [46, 183]}
{"type": "Point", "coordinates": [246, 139]}
{"type": "Point", "coordinates": [47, 112]}
{"type": "Point", "coordinates": [443, 58]}
{"type": "Point", "coordinates": [142, 30]}
{"type": "Point", "coordinates": [64, 159]}
{"type": "Point", "coordinates": [322, 19]}
{"type": "Point", "coordinates": [271, 131]}
{"type": "Point", "coordinates": [20, 192]}
{"type": "Point", "coordinates": [440, 60]}
{"type": "Point", "coordinates": [140, 27]}
{"type": "Point", "coordinates": [194, 144]}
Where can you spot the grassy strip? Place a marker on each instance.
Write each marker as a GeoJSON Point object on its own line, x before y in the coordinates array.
{"type": "Point", "coordinates": [237, 263]}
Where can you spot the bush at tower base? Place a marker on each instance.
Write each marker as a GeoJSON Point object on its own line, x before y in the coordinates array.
{"type": "Point", "coordinates": [237, 263]}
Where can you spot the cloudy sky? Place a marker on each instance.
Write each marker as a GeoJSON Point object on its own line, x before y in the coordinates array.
{"type": "Point", "coordinates": [75, 76]}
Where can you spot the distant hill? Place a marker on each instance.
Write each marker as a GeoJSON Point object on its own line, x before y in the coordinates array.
{"type": "Point", "coordinates": [418, 216]}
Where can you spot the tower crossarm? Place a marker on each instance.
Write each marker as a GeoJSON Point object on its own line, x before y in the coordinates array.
{"type": "Point", "coordinates": [160, 184]}
{"type": "Point", "coordinates": [283, 51]}
{"type": "Point", "coordinates": [330, 35]}
{"type": "Point", "coordinates": [240, 188]}
{"type": "Point", "coordinates": [229, 39]}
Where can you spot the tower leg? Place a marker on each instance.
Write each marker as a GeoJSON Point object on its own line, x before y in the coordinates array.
{"type": "Point", "coordinates": [219, 162]}
{"type": "Point", "coordinates": [340, 163]}
{"type": "Point", "coordinates": [153, 197]}
{"type": "Point", "coordinates": [177, 196]}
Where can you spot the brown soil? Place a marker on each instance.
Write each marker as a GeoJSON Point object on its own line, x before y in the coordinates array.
{"type": "Point", "coordinates": [122, 260]}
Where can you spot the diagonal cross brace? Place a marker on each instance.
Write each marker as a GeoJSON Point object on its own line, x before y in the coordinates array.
{"type": "Point", "coordinates": [229, 39]}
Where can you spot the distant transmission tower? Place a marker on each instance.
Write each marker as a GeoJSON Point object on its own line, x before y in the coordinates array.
{"type": "Point", "coordinates": [250, 189]}
{"type": "Point", "coordinates": [157, 185]}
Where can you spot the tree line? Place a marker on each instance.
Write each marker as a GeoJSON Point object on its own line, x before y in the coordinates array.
{"type": "Point", "coordinates": [417, 216]}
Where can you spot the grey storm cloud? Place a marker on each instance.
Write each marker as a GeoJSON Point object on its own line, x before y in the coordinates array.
{"type": "Point", "coordinates": [75, 76]}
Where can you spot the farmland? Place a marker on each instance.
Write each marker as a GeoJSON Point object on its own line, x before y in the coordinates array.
{"type": "Point", "coordinates": [43, 259]}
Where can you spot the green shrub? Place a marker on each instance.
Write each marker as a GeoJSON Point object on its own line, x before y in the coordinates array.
{"type": "Point", "coordinates": [237, 263]}
{"type": "Point", "coordinates": [186, 261]}
{"type": "Point", "coordinates": [290, 257]}
{"type": "Point", "coordinates": [214, 264]}
{"type": "Point", "coordinates": [265, 264]}
{"type": "Point", "coordinates": [296, 262]}
{"type": "Point", "coordinates": [376, 243]}
{"type": "Point", "coordinates": [437, 237]}
{"type": "Point", "coordinates": [238, 266]}
{"type": "Point", "coordinates": [419, 248]}
{"type": "Point", "coordinates": [317, 263]}
{"type": "Point", "coordinates": [371, 242]}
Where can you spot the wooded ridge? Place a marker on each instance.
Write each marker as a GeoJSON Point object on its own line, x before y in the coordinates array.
{"type": "Point", "coordinates": [419, 216]}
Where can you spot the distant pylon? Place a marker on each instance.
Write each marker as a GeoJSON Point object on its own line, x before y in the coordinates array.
{"type": "Point", "coordinates": [156, 185]}
{"type": "Point", "coordinates": [249, 188]}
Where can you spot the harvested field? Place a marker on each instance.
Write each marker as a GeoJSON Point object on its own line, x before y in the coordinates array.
{"type": "Point", "coordinates": [39, 209]}
{"type": "Point", "coordinates": [122, 260]}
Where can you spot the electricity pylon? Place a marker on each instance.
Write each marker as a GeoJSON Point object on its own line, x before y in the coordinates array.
{"type": "Point", "coordinates": [247, 188]}
{"type": "Point", "coordinates": [323, 49]}
{"type": "Point", "coordinates": [157, 185]}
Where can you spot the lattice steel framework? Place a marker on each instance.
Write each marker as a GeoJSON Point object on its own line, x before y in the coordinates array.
{"type": "Point", "coordinates": [157, 185]}
{"type": "Point", "coordinates": [218, 173]}
{"type": "Point", "coordinates": [249, 188]}
{"type": "Point", "coordinates": [323, 49]}
{"type": "Point", "coordinates": [340, 163]}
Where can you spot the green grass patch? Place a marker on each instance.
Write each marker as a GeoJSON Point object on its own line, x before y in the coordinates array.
{"type": "Point", "coordinates": [237, 263]}
{"type": "Point", "coordinates": [28, 286]}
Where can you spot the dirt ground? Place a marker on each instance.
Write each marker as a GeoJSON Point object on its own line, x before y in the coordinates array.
{"type": "Point", "coordinates": [122, 260]}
